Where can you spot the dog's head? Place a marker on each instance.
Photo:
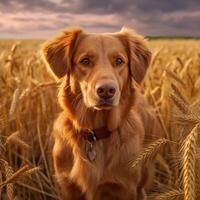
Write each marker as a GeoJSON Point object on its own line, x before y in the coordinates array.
{"type": "Point", "coordinates": [99, 66]}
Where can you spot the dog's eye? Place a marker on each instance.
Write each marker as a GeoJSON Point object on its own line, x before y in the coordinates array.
{"type": "Point", "coordinates": [119, 61]}
{"type": "Point", "coordinates": [85, 61]}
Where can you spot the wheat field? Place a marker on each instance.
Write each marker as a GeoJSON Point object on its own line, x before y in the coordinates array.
{"type": "Point", "coordinates": [28, 107]}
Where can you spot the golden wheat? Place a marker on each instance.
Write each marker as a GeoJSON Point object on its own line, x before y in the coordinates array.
{"type": "Point", "coordinates": [8, 173]}
{"type": "Point", "coordinates": [15, 138]}
{"type": "Point", "coordinates": [149, 152]}
{"type": "Point", "coordinates": [174, 194]}
{"type": "Point", "coordinates": [28, 106]}
{"type": "Point", "coordinates": [15, 101]}
{"type": "Point", "coordinates": [188, 151]}
{"type": "Point", "coordinates": [14, 176]}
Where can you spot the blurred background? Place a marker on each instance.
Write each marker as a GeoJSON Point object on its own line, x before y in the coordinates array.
{"type": "Point", "coordinates": [44, 18]}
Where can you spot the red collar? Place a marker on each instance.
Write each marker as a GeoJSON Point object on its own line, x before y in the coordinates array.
{"type": "Point", "coordinates": [96, 134]}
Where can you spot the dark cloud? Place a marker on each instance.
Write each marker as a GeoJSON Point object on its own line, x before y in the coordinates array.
{"type": "Point", "coordinates": [105, 6]}
{"type": "Point", "coordinates": [153, 17]}
{"type": "Point", "coordinates": [167, 6]}
{"type": "Point", "coordinates": [132, 6]}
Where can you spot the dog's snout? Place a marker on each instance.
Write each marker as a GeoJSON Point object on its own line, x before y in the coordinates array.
{"type": "Point", "coordinates": [106, 90]}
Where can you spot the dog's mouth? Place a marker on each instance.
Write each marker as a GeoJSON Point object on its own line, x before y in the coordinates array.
{"type": "Point", "coordinates": [104, 105]}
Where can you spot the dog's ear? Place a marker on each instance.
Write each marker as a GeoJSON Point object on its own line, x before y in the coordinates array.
{"type": "Point", "coordinates": [139, 54]}
{"type": "Point", "coordinates": [58, 52]}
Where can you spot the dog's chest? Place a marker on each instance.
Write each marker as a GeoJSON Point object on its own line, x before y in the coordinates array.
{"type": "Point", "coordinates": [110, 163]}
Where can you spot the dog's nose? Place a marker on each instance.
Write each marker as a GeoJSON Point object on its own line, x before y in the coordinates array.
{"type": "Point", "coordinates": [106, 91]}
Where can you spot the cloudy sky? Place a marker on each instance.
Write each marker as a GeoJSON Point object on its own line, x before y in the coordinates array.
{"type": "Point", "coordinates": [44, 18]}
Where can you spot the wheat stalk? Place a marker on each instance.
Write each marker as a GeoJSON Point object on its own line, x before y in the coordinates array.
{"type": "Point", "coordinates": [175, 77]}
{"type": "Point", "coordinates": [185, 68]}
{"type": "Point", "coordinates": [188, 150]}
{"type": "Point", "coordinates": [14, 137]}
{"type": "Point", "coordinates": [182, 119]}
{"type": "Point", "coordinates": [2, 147]}
{"type": "Point", "coordinates": [21, 173]}
{"type": "Point", "coordinates": [155, 56]}
{"type": "Point", "coordinates": [180, 62]}
{"type": "Point", "coordinates": [31, 171]}
{"type": "Point", "coordinates": [14, 47]}
{"type": "Point", "coordinates": [11, 136]}
{"type": "Point", "coordinates": [9, 172]}
{"type": "Point", "coordinates": [148, 152]}
{"type": "Point", "coordinates": [180, 104]}
{"type": "Point", "coordinates": [14, 176]}
{"type": "Point", "coordinates": [178, 93]}
{"type": "Point", "coordinates": [15, 101]}
{"type": "Point", "coordinates": [174, 194]}
{"type": "Point", "coordinates": [3, 120]}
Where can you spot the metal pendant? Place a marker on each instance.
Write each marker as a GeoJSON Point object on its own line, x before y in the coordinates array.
{"type": "Point", "coordinates": [91, 152]}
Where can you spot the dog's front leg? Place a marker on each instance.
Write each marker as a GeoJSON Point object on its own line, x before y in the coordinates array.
{"type": "Point", "coordinates": [63, 161]}
{"type": "Point", "coordinates": [70, 191]}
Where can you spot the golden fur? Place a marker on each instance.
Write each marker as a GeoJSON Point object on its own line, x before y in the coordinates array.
{"type": "Point", "coordinates": [130, 119]}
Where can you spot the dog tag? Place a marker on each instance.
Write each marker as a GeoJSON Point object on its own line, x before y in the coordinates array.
{"type": "Point", "coordinates": [91, 153]}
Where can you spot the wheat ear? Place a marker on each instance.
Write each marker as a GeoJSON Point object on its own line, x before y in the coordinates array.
{"type": "Point", "coordinates": [188, 150]}
{"type": "Point", "coordinates": [181, 105]}
{"type": "Point", "coordinates": [8, 172]}
{"type": "Point", "coordinates": [15, 176]}
{"type": "Point", "coordinates": [175, 77]}
{"type": "Point", "coordinates": [148, 152]}
{"type": "Point", "coordinates": [15, 101]}
{"type": "Point", "coordinates": [168, 195]}
{"type": "Point", "coordinates": [178, 93]}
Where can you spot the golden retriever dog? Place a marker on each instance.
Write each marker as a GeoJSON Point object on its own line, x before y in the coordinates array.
{"type": "Point", "coordinates": [105, 119]}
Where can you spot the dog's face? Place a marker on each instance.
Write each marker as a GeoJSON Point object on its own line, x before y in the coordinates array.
{"type": "Point", "coordinates": [99, 65]}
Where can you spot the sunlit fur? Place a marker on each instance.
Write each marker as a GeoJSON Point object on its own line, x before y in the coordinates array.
{"type": "Point", "coordinates": [130, 121]}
